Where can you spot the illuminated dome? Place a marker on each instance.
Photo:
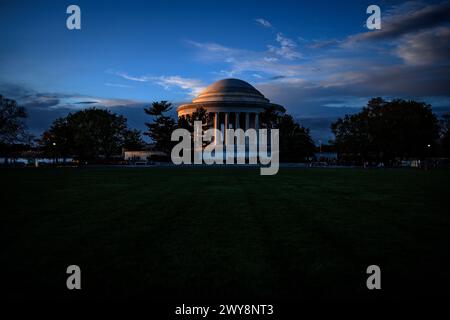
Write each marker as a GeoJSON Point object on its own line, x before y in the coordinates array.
{"type": "Point", "coordinates": [230, 104]}
{"type": "Point", "coordinates": [230, 90]}
{"type": "Point", "coordinates": [229, 95]}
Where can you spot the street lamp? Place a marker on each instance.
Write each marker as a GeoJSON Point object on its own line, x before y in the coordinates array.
{"type": "Point", "coordinates": [54, 159]}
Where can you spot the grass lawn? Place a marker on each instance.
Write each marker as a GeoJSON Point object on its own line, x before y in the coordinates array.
{"type": "Point", "coordinates": [179, 233]}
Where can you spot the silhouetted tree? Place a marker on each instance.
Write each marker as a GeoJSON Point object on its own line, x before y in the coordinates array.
{"type": "Point", "coordinates": [445, 135]}
{"type": "Point", "coordinates": [187, 121]}
{"type": "Point", "coordinates": [132, 140]}
{"type": "Point", "coordinates": [59, 140]}
{"type": "Point", "coordinates": [88, 134]}
{"type": "Point", "coordinates": [12, 123]}
{"type": "Point", "coordinates": [269, 117]}
{"type": "Point", "coordinates": [160, 130]}
{"type": "Point", "coordinates": [295, 141]}
{"type": "Point", "coordinates": [384, 130]}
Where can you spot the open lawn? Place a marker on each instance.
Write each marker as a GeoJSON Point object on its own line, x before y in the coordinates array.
{"type": "Point", "coordinates": [186, 233]}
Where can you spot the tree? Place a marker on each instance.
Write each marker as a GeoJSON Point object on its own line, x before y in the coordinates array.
{"type": "Point", "coordinates": [296, 143]}
{"type": "Point", "coordinates": [269, 117]}
{"type": "Point", "coordinates": [12, 123]}
{"type": "Point", "coordinates": [160, 130]}
{"type": "Point", "coordinates": [200, 114]}
{"type": "Point", "coordinates": [187, 121]}
{"type": "Point", "coordinates": [132, 140]}
{"type": "Point", "coordinates": [88, 134]}
{"type": "Point", "coordinates": [59, 140]}
{"type": "Point", "coordinates": [352, 136]}
{"type": "Point", "coordinates": [445, 134]}
{"type": "Point", "coordinates": [385, 130]}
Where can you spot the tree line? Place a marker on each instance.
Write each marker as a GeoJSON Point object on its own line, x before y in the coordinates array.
{"type": "Point", "coordinates": [382, 131]}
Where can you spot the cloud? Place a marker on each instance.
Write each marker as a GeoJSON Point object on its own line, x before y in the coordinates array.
{"type": "Point", "coordinates": [241, 61]}
{"type": "Point", "coordinates": [426, 47]}
{"type": "Point", "coordinates": [408, 58]}
{"type": "Point", "coordinates": [277, 60]}
{"type": "Point", "coordinates": [117, 85]}
{"type": "Point", "coordinates": [401, 22]}
{"type": "Point", "coordinates": [87, 102]}
{"type": "Point", "coordinates": [212, 47]}
{"type": "Point", "coordinates": [44, 107]}
{"type": "Point", "coordinates": [270, 59]}
{"type": "Point", "coordinates": [316, 80]}
{"type": "Point", "coordinates": [132, 78]}
{"type": "Point", "coordinates": [264, 23]}
{"type": "Point", "coordinates": [277, 77]}
{"type": "Point", "coordinates": [305, 97]}
{"type": "Point", "coordinates": [32, 99]}
{"type": "Point", "coordinates": [320, 44]}
{"type": "Point", "coordinates": [287, 48]}
{"type": "Point", "coordinates": [40, 102]}
{"type": "Point", "coordinates": [193, 86]}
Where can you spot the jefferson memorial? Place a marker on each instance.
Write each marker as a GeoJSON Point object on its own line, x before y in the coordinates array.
{"type": "Point", "coordinates": [233, 103]}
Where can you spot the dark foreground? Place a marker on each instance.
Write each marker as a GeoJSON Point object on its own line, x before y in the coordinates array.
{"type": "Point", "coordinates": [224, 233]}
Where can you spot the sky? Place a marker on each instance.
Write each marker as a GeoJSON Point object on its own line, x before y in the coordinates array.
{"type": "Point", "coordinates": [316, 58]}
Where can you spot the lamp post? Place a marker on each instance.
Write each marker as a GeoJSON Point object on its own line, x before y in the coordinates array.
{"type": "Point", "coordinates": [54, 152]}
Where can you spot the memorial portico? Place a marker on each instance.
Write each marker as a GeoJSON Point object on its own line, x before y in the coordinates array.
{"type": "Point", "coordinates": [232, 104]}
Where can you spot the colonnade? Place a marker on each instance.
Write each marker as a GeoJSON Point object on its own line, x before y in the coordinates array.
{"type": "Point", "coordinates": [235, 120]}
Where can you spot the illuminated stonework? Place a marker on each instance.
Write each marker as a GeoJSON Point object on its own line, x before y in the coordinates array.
{"type": "Point", "coordinates": [233, 104]}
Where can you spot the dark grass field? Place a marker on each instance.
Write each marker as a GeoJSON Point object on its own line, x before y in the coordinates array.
{"type": "Point", "coordinates": [224, 233]}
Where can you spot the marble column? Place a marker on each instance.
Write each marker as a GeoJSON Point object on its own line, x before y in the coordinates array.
{"type": "Point", "coordinates": [216, 124]}
{"type": "Point", "coordinates": [225, 126]}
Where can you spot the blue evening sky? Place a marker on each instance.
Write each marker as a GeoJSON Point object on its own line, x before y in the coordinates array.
{"type": "Point", "coordinates": [315, 57]}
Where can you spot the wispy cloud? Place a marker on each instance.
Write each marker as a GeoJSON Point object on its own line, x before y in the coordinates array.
{"type": "Point", "coordinates": [118, 85]}
{"type": "Point", "coordinates": [270, 59]}
{"type": "Point", "coordinates": [263, 22]}
{"type": "Point", "coordinates": [276, 60]}
{"type": "Point", "coordinates": [192, 86]}
{"type": "Point", "coordinates": [241, 61]}
{"type": "Point", "coordinates": [287, 48]}
{"type": "Point", "coordinates": [133, 78]}
{"type": "Point", "coordinates": [320, 44]}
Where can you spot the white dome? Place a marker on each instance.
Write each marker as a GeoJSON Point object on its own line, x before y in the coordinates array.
{"type": "Point", "coordinates": [230, 90]}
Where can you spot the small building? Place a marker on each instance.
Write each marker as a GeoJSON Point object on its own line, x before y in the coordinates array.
{"type": "Point", "coordinates": [326, 156]}
{"type": "Point", "coordinates": [135, 156]}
